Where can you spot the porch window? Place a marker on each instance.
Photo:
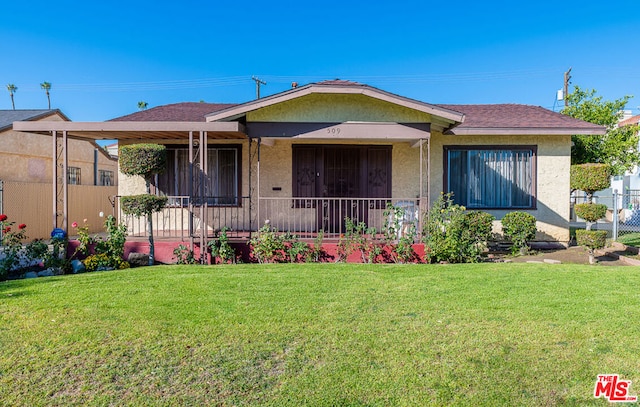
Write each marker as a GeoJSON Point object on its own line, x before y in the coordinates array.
{"type": "Point", "coordinates": [500, 177]}
{"type": "Point", "coordinates": [221, 184]}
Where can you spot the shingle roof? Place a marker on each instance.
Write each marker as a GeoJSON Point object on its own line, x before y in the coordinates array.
{"type": "Point", "coordinates": [515, 116]}
{"type": "Point", "coordinates": [630, 120]}
{"type": "Point", "coordinates": [176, 112]}
{"type": "Point", "coordinates": [339, 82]}
{"type": "Point", "coordinates": [7, 117]}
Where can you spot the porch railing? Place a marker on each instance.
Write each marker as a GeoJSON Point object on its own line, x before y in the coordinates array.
{"type": "Point", "coordinates": [304, 217]}
{"type": "Point", "coordinates": [182, 211]}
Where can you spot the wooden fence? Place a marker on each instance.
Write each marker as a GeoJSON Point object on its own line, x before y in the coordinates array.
{"type": "Point", "coordinates": [31, 203]}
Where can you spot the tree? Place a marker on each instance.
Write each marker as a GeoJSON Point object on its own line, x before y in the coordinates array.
{"type": "Point", "coordinates": [47, 87]}
{"type": "Point", "coordinates": [144, 160]}
{"type": "Point", "coordinates": [142, 105]}
{"type": "Point", "coordinates": [618, 147]}
{"type": "Point", "coordinates": [12, 89]}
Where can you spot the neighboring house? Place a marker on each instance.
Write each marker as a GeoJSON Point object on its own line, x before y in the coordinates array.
{"type": "Point", "coordinates": [631, 179]}
{"type": "Point", "coordinates": [26, 157]}
{"type": "Point", "coordinates": [26, 172]}
{"type": "Point", "coordinates": [304, 159]}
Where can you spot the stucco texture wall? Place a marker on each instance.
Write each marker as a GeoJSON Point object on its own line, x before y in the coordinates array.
{"type": "Point", "coordinates": [27, 157]}
{"type": "Point", "coordinates": [553, 165]}
{"type": "Point", "coordinates": [332, 108]}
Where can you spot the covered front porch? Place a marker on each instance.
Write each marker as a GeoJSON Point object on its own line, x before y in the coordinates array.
{"type": "Point", "coordinates": [271, 188]}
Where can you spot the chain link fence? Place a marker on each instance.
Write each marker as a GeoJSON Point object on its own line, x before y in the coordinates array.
{"type": "Point", "coordinates": [623, 211]}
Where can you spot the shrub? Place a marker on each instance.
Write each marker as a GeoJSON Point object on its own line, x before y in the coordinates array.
{"type": "Point", "coordinates": [519, 227]}
{"type": "Point", "coordinates": [453, 235]}
{"type": "Point", "coordinates": [220, 248]}
{"type": "Point", "coordinates": [590, 178]}
{"type": "Point", "coordinates": [101, 261]}
{"type": "Point", "coordinates": [593, 239]}
{"type": "Point", "coordinates": [113, 245]}
{"type": "Point", "coordinates": [145, 204]}
{"type": "Point", "coordinates": [591, 212]}
{"type": "Point", "coordinates": [359, 237]}
{"type": "Point", "coordinates": [184, 255]}
{"type": "Point", "coordinates": [266, 245]}
{"type": "Point", "coordinates": [142, 159]}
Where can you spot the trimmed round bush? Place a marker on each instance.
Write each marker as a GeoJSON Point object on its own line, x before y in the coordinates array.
{"type": "Point", "coordinates": [591, 212]}
{"type": "Point", "coordinates": [590, 177]}
{"type": "Point", "coordinates": [519, 227]}
{"type": "Point", "coordinates": [142, 159]}
{"type": "Point", "coordinates": [144, 204]}
{"type": "Point", "coordinates": [593, 239]}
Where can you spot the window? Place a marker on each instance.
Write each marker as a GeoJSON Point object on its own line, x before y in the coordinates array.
{"type": "Point", "coordinates": [105, 178]}
{"type": "Point", "coordinates": [73, 175]}
{"type": "Point", "coordinates": [491, 177]}
{"type": "Point", "coordinates": [223, 175]}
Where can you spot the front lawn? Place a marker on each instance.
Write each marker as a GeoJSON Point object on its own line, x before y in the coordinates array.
{"type": "Point", "coordinates": [320, 334]}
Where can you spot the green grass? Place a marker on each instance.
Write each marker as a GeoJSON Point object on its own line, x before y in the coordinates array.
{"type": "Point", "coordinates": [327, 335]}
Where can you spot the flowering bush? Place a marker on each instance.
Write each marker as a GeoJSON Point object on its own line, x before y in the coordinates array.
{"type": "Point", "coordinates": [11, 240]}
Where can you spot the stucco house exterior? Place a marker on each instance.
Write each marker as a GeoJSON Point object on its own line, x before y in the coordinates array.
{"type": "Point", "coordinates": [304, 159]}
{"type": "Point", "coordinates": [27, 174]}
{"type": "Point", "coordinates": [26, 157]}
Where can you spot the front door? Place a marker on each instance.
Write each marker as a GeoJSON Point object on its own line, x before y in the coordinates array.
{"type": "Point", "coordinates": [342, 178]}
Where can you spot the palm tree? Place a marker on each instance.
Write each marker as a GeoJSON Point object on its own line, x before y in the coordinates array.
{"type": "Point", "coordinates": [142, 105]}
{"type": "Point", "coordinates": [47, 87]}
{"type": "Point", "coordinates": [12, 89]}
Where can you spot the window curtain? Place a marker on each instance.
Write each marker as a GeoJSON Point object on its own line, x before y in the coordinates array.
{"type": "Point", "coordinates": [491, 178]}
{"type": "Point", "coordinates": [221, 182]}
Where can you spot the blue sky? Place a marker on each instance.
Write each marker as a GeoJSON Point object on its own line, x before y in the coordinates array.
{"type": "Point", "coordinates": [103, 57]}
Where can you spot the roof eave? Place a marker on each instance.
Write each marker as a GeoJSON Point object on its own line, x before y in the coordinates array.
{"type": "Point", "coordinates": [116, 130]}
{"type": "Point", "coordinates": [529, 131]}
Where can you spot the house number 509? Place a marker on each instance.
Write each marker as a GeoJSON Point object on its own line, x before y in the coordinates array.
{"type": "Point", "coordinates": [333, 130]}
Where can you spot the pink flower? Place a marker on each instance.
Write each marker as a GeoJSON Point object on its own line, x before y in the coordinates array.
{"type": "Point", "coordinates": [3, 217]}
{"type": "Point", "coordinates": [74, 225]}
{"type": "Point", "coordinates": [22, 226]}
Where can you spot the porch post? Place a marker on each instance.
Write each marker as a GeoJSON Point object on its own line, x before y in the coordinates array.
{"type": "Point", "coordinates": [205, 171]}
{"type": "Point", "coordinates": [190, 189]}
{"type": "Point", "coordinates": [54, 172]}
{"type": "Point", "coordinates": [250, 187]}
{"type": "Point", "coordinates": [258, 182]}
{"type": "Point", "coordinates": [201, 194]}
{"type": "Point", "coordinates": [428, 174]}
{"type": "Point", "coordinates": [65, 183]}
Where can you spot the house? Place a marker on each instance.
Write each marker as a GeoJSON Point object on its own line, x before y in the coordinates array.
{"type": "Point", "coordinates": [27, 172]}
{"type": "Point", "coordinates": [26, 157]}
{"type": "Point", "coordinates": [304, 159]}
{"type": "Point", "coordinates": [631, 179]}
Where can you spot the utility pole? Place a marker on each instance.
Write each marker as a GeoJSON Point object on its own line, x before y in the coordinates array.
{"type": "Point", "coordinates": [567, 78]}
{"type": "Point", "coordinates": [258, 83]}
